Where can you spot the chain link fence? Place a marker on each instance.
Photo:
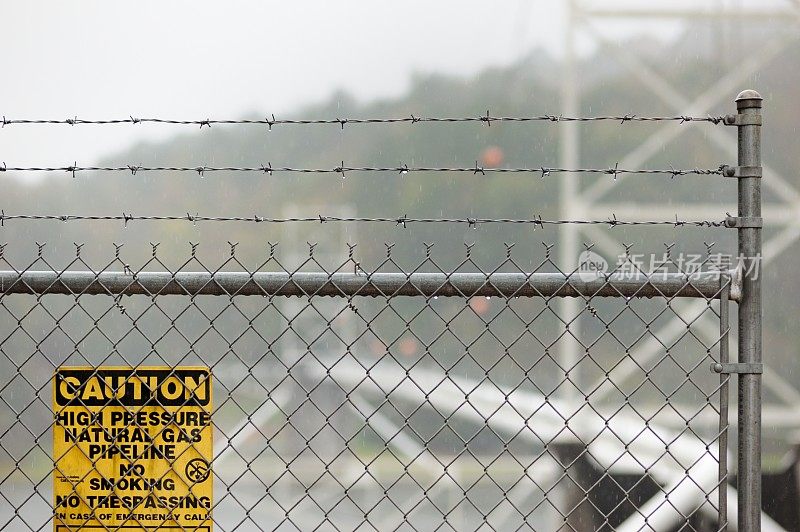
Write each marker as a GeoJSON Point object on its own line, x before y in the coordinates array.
{"type": "Point", "coordinates": [420, 390]}
{"type": "Point", "coordinates": [422, 395]}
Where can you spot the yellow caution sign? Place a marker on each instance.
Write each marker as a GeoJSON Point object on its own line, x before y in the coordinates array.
{"type": "Point", "coordinates": [132, 448]}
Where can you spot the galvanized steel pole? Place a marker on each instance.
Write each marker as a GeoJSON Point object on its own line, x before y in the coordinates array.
{"type": "Point", "coordinates": [748, 121]}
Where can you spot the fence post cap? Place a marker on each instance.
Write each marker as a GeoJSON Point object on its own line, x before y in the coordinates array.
{"type": "Point", "coordinates": [748, 98]}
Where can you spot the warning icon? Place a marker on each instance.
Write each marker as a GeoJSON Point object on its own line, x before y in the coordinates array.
{"type": "Point", "coordinates": [197, 470]}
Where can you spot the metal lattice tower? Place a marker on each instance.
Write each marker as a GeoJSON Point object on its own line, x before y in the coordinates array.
{"type": "Point", "coordinates": [583, 20]}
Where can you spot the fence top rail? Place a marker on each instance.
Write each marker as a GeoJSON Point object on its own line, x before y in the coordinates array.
{"type": "Point", "coordinates": [272, 121]}
{"type": "Point", "coordinates": [707, 285]}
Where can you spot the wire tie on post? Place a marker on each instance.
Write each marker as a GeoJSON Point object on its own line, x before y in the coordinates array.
{"type": "Point", "coordinates": [2, 218]}
{"type": "Point", "coordinates": [340, 170]}
{"type": "Point", "coordinates": [487, 119]}
{"type": "Point", "coordinates": [72, 169]}
{"type": "Point", "coordinates": [5, 121]}
{"type": "Point", "coordinates": [126, 218]}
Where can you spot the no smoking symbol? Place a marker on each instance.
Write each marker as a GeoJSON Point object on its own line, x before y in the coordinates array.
{"type": "Point", "coordinates": [197, 470]}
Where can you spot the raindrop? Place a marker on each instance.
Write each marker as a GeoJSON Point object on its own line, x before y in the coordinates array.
{"type": "Point", "coordinates": [488, 298]}
{"type": "Point", "coordinates": [435, 297]}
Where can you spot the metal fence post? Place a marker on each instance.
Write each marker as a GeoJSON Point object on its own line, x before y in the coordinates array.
{"type": "Point", "coordinates": [748, 121]}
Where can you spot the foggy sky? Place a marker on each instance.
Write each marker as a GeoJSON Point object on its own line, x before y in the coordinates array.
{"type": "Point", "coordinates": [209, 59]}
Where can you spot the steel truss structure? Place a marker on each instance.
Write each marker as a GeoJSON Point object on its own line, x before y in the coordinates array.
{"type": "Point", "coordinates": [584, 21]}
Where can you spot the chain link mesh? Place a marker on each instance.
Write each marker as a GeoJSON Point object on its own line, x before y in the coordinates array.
{"type": "Point", "coordinates": [391, 412]}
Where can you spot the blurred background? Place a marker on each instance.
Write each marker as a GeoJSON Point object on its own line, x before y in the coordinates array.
{"type": "Point", "coordinates": [207, 60]}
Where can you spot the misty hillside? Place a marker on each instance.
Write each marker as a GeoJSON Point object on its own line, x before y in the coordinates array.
{"type": "Point", "coordinates": [529, 87]}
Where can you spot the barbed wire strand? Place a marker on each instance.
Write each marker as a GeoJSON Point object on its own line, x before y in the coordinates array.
{"type": "Point", "coordinates": [487, 119]}
{"type": "Point", "coordinates": [342, 170]}
{"type": "Point", "coordinates": [403, 221]}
